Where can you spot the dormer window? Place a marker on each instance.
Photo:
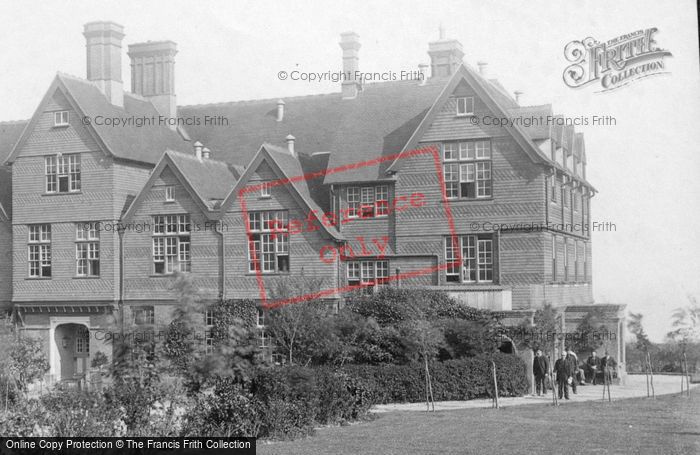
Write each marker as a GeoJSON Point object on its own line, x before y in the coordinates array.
{"type": "Point", "coordinates": [169, 194]}
{"type": "Point", "coordinates": [465, 105]}
{"type": "Point", "coordinates": [60, 118]}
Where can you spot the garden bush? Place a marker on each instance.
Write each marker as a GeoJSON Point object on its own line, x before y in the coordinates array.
{"type": "Point", "coordinates": [462, 379]}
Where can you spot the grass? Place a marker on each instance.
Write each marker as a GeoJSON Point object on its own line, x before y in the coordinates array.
{"type": "Point", "coordinates": [669, 424]}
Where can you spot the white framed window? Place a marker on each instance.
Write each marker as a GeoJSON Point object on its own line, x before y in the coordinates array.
{"type": "Point", "coordinates": [382, 200]}
{"type": "Point", "coordinates": [169, 196]}
{"type": "Point", "coordinates": [465, 105]}
{"type": "Point", "coordinates": [353, 196]}
{"type": "Point", "coordinates": [477, 264]}
{"type": "Point", "coordinates": [268, 241]}
{"type": "Point", "coordinates": [39, 250]}
{"type": "Point", "coordinates": [368, 273]}
{"type": "Point", "coordinates": [367, 202]}
{"type": "Point", "coordinates": [82, 342]}
{"type": "Point", "coordinates": [144, 315]}
{"type": "Point", "coordinates": [265, 190]}
{"type": "Point", "coordinates": [62, 173]}
{"type": "Point", "coordinates": [171, 244]}
{"type": "Point", "coordinates": [61, 118]}
{"type": "Point", "coordinates": [87, 250]}
{"type": "Point", "coordinates": [470, 176]}
{"type": "Point", "coordinates": [209, 318]}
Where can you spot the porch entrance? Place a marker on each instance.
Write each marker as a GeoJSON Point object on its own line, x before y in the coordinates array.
{"type": "Point", "coordinates": [70, 349]}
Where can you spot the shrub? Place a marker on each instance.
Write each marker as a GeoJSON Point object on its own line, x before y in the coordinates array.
{"type": "Point", "coordinates": [452, 380]}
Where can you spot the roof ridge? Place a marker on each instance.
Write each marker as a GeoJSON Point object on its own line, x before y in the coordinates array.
{"type": "Point", "coordinates": [257, 101]}
{"type": "Point", "coordinates": [195, 159]}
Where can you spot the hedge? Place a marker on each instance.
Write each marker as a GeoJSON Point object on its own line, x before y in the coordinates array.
{"type": "Point", "coordinates": [462, 379]}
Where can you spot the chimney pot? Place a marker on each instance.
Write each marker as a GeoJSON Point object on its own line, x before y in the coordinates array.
{"type": "Point", "coordinates": [517, 94]}
{"type": "Point", "coordinates": [350, 43]}
{"type": "Point", "coordinates": [290, 144]}
{"type": "Point", "coordinates": [206, 153]}
{"type": "Point", "coordinates": [482, 68]}
{"type": "Point", "coordinates": [280, 110]}
{"type": "Point", "coordinates": [103, 42]}
{"type": "Point", "coordinates": [198, 149]}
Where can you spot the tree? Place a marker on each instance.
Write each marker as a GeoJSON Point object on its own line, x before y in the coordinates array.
{"type": "Point", "coordinates": [23, 362]}
{"type": "Point", "coordinates": [293, 326]}
{"type": "Point", "coordinates": [686, 322]}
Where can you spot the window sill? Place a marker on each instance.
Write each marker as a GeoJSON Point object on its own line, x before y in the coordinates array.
{"type": "Point", "coordinates": [467, 115]}
{"type": "Point", "coordinates": [38, 278]}
{"type": "Point", "coordinates": [267, 273]}
{"type": "Point", "coordinates": [58, 127]}
{"type": "Point", "coordinates": [62, 194]}
{"type": "Point", "coordinates": [169, 202]}
{"type": "Point", "coordinates": [265, 197]}
{"type": "Point", "coordinates": [91, 277]}
{"type": "Point", "coordinates": [479, 199]}
{"type": "Point", "coordinates": [164, 275]}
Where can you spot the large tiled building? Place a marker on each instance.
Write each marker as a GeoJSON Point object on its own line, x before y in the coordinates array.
{"type": "Point", "coordinates": [397, 183]}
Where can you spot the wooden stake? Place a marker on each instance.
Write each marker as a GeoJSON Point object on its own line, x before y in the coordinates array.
{"type": "Point", "coordinates": [651, 375]}
{"type": "Point", "coordinates": [495, 383]}
{"type": "Point", "coordinates": [551, 383]}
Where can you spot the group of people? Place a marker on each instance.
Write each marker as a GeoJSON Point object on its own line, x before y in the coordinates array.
{"type": "Point", "coordinates": [568, 373]}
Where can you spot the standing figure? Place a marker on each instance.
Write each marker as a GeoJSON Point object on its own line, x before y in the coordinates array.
{"type": "Point", "coordinates": [607, 364]}
{"type": "Point", "coordinates": [562, 371]}
{"type": "Point", "coordinates": [540, 368]}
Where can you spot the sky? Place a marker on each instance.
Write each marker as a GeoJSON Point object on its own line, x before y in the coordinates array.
{"type": "Point", "coordinates": [645, 166]}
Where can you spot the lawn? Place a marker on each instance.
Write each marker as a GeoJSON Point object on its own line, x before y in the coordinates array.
{"type": "Point", "coordinates": [667, 425]}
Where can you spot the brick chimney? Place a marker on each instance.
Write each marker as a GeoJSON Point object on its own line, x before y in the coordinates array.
{"type": "Point", "coordinates": [350, 43]}
{"type": "Point", "coordinates": [103, 42]}
{"type": "Point", "coordinates": [445, 55]}
{"type": "Point", "coordinates": [153, 74]}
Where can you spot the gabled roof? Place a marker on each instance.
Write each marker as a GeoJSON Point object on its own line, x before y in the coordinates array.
{"type": "Point", "coordinates": [144, 144]}
{"type": "Point", "coordinates": [5, 192]}
{"type": "Point", "coordinates": [379, 120]}
{"type": "Point", "coordinates": [293, 174]}
{"type": "Point", "coordinates": [208, 181]}
{"type": "Point", "coordinates": [9, 134]}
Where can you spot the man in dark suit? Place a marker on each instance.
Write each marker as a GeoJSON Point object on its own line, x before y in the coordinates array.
{"type": "Point", "coordinates": [540, 368]}
{"type": "Point", "coordinates": [562, 370]}
{"type": "Point", "coordinates": [593, 363]}
{"type": "Point", "coordinates": [608, 364]}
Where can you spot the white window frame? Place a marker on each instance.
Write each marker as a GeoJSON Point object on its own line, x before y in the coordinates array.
{"type": "Point", "coordinates": [39, 251]}
{"type": "Point", "coordinates": [62, 168]}
{"type": "Point", "coordinates": [353, 201]}
{"type": "Point", "coordinates": [87, 250]}
{"type": "Point", "coordinates": [171, 244]}
{"type": "Point", "coordinates": [143, 315]}
{"type": "Point", "coordinates": [265, 190]}
{"type": "Point", "coordinates": [370, 273]}
{"type": "Point", "coordinates": [61, 118]}
{"type": "Point", "coordinates": [465, 106]}
{"type": "Point", "coordinates": [468, 169]}
{"type": "Point", "coordinates": [268, 242]}
{"type": "Point", "coordinates": [477, 255]}
{"type": "Point", "coordinates": [169, 194]}
{"type": "Point", "coordinates": [381, 200]}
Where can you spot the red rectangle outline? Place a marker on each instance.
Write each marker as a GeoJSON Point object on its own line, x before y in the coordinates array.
{"type": "Point", "coordinates": [431, 149]}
